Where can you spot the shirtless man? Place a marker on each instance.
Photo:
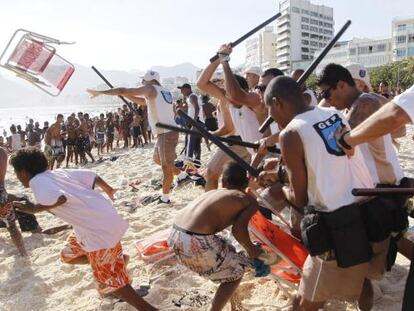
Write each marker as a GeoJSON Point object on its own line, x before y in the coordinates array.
{"type": "Point", "coordinates": [54, 143]}
{"type": "Point", "coordinates": [84, 145]}
{"type": "Point", "coordinates": [159, 102]}
{"type": "Point", "coordinates": [100, 134]}
{"type": "Point", "coordinates": [72, 149]}
{"type": "Point", "coordinates": [194, 236]}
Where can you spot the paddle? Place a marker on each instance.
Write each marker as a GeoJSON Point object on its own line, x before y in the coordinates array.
{"type": "Point", "coordinates": [311, 68]}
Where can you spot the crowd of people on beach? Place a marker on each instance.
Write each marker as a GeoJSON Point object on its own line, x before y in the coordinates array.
{"type": "Point", "coordinates": [351, 240]}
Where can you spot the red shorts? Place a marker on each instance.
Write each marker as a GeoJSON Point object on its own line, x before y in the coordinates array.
{"type": "Point", "coordinates": [108, 265]}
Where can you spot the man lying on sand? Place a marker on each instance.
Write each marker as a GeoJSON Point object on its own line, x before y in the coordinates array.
{"type": "Point", "coordinates": [98, 228]}
{"type": "Point", "coordinates": [194, 238]}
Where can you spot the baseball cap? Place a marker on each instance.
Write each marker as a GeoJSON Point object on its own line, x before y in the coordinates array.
{"type": "Point", "coordinates": [359, 72]}
{"type": "Point", "coordinates": [254, 70]}
{"type": "Point", "coordinates": [184, 86]}
{"type": "Point", "coordinates": [151, 75]}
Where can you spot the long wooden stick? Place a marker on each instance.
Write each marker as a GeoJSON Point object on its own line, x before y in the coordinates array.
{"type": "Point", "coordinates": [223, 139]}
{"type": "Point", "coordinates": [247, 35]}
{"type": "Point", "coordinates": [111, 86]}
{"type": "Point", "coordinates": [381, 191]}
{"type": "Point", "coordinates": [252, 171]}
{"type": "Point", "coordinates": [311, 68]}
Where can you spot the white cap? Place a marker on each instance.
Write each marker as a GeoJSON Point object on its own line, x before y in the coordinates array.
{"type": "Point", "coordinates": [151, 75]}
{"type": "Point", "coordinates": [254, 70]}
{"type": "Point", "coordinates": [359, 72]}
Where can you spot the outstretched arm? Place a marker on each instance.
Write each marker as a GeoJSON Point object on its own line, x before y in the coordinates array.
{"type": "Point", "coordinates": [382, 122]}
{"type": "Point", "coordinates": [137, 100]}
{"type": "Point", "coordinates": [147, 91]}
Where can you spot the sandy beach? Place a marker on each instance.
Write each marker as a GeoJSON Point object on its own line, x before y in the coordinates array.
{"type": "Point", "coordinates": [42, 282]}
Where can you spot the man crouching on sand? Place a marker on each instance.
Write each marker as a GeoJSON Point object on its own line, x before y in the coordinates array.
{"type": "Point", "coordinates": [98, 228]}
{"type": "Point", "coordinates": [194, 238]}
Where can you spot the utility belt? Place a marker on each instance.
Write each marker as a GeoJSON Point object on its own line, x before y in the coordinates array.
{"type": "Point", "coordinates": [349, 230]}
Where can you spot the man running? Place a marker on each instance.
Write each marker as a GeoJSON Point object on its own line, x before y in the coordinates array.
{"type": "Point", "coordinates": [159, 102]}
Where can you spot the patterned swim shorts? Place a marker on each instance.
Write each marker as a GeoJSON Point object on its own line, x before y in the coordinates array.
{"type": "Point", "coordinates": [210, 256]}
{"type": "Point", "coordinates": [108, 265]}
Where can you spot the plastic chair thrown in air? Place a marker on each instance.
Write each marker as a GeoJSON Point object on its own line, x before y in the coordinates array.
{"type": "Point", "coordinates": [288, 271]}
{"type": "Point", "coordinates": [32, 57]}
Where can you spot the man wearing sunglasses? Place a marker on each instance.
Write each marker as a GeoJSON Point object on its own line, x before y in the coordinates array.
{"type": "Point", "coordinates": [339, 89]}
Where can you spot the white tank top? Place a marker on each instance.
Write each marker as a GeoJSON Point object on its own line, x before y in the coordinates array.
{"type": "Point", "coordinates": [160, 109]}
{"type": "Point", "coordinates": [382, 160]}
{"type": "Point", "coordinates": [191, 109]}
{"type": "Point", "coordinates": [246, 124]}
{"type": "Point", "coordinates": [314, 101]}
{"type": "Point", "coordinates": [331, 174]}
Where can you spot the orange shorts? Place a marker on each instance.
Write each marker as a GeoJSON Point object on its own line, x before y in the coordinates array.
{"type": "Point", "coordinates": [108, 265]}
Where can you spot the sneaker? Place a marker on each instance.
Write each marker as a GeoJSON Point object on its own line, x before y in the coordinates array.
{"type": "Point", "coordinates": [160, 201]}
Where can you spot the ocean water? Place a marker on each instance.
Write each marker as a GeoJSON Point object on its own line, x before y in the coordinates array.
{"type": "Point", "coordinates": [21, 115]}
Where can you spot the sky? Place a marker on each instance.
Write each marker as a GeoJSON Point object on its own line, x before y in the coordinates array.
{"type": "Point", "coordinates": [136, 34]}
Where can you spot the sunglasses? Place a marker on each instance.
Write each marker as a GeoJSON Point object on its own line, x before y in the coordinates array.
{"type": "Point", "coordinates": [325, 94]}
{"type": "Point", "coordinates": [261, 88]}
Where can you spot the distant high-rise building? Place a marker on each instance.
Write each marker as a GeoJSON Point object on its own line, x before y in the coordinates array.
{"type": "Point", "coordinates": [302, 29]}
{"type": "Point", "coordinates": [261, 49]}
{"type": "Point", "coordinates": [369, 52]}
{"type": "Point", "coordinates": [403, 37]}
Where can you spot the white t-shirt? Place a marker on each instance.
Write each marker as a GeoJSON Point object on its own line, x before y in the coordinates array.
{"type": "Point", "coordinates": [96, 223]}
{"type": "Point", "coordinates": [406, 102]}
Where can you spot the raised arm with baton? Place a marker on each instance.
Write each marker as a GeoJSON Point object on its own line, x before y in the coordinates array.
{"type": "Point", "coordinates": [311, 68]}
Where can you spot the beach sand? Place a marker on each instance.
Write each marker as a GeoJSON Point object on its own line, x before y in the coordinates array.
{"type": "Point", "coordinates": [42, 282]}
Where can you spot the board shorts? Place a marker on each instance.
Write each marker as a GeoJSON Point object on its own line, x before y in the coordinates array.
{"type": "Point", "coordinates": [210, 256]}
{"type": "Point", "coordinates": [100, 138]}
{"type": "Point", "coordinates": [136, 131]}
{"type": "Point", "coordinates": [323, 280]}
{"type": "Point", "coordinates": [164, 148]}
{"type": "Point", "coordinates": [108, 265]}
